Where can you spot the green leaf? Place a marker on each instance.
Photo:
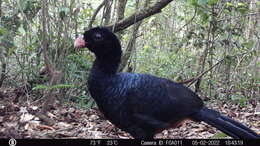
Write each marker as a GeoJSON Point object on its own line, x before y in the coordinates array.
{"type": "Point", "coordinates": [24, 4]}
{"type": "Point", "coordinates": [87, 12]}
{"type": "Point", "coordinates": [205, 17]}
{"type": "Point", "coordinates": [146, 48]}
{"type": "Point", "coordinates": [21, 30]}
{"type": "Point", "coordinates": [61, 86]}
{"type": "Point", "coordinates": [193, 2]}
{"type": "Point", "coordinates": [242, 10]}
{"type": "Point", "coordinates": [249, 44]}
{"type": "Point", "coordinates": [3, 31]}
{"type": "Point", "coordinates": [242, 102]}
{"type": "Point", "coordinates": [241, 4]}
{"type": "Point", "coordinates": [242, 7]}
{"type": "Point", "coordinates": [220, 135]}
{"type": "Point", "coordinates": [11, 51]}
{"type": "Point", "coordinates": [40, 87]}
{"type": "Point", "coordinates": [258, 4]}
{"type": "Point", "coordinates": [32, 56]}
{"type": "Point", "coordinates": [212, 2]}
{"type": "Point", "coordinates": [90, 104]}
{"type": "Point", "coordinates": [63, 11]}
{"type": "Point", "coordinates": [229, 59]}
{"type": "Point", "coordinates": [202, 2]}
{"type": "Point", "coordinates": [53, 87]}
{"type": "Point", "coordinates": [229, 4]}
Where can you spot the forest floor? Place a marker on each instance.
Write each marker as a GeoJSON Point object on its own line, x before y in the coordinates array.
{"type": "Point", "coordinates": [19, 120]}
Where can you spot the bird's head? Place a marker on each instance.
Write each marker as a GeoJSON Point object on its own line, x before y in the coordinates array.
{"type": "Point", "coordinates": [99, 40]}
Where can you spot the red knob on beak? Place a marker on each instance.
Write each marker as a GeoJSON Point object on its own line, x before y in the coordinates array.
{"type": "Point", "coordinates": [79, 42]}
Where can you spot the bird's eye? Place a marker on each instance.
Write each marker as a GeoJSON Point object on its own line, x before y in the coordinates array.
{"type": "Point", "coordinates": [98, 37]}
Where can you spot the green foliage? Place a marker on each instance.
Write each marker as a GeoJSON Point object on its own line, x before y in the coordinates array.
{"type": "Point", "coordinates": [84, 100]}
{"type": "Point", "coordinates": [248, 45]}
{"type": "Point", "coordinates": [59, 86]}
{"type": "Point", "coordinates": [242, 7]}
{"type": "Point", "coordinates": [243, 102]}
{"type": "Point", "coordinates": [219, 135]}
{"type": "Point", "coordinates": [212, 2]}
{"type": "Point", "coordinates": [229, 5]}
{"type": "Point", "coordinates": [170, 44]}
{"type": "Point", "coordinates": [3, 31]}
{"type": "Point", "coordinates": [63, 12]}
{"type": "Point", "coordinates": [40, 87]}
{"type": "Point", "coordinates": [202, 2]}
{"type": "Point", "coordinates": [29, 7]}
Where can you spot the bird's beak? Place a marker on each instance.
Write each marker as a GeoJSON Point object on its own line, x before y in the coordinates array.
{"type": "Point", "coordinates": [79, 42]}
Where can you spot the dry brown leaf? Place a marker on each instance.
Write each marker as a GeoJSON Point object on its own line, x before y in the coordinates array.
{"type": "Point", "coordinates": [23, 110]}
{"type": "Point", "coordinates": [34, 107]}
{"type": "Point", "coordinates": [51, 115]}
{"type": "Point", "coordinates": [200, 129]}
{"type": "Point", "coordinates": [31, 125]}
{"type": "Point", "coordinates": [257, 109]}
{"type": "Point", "coordinates": [63, 125]}
{"type": "Point", "coordinates": [78, 114]}
{"type": "Point", "coordinates": [11, 124]}
{"type": "Point", "coordinates": [26, 117]}
{"type": "Point", "coordinates": [45, 127]}
{"type": "Point", "coordinates": [71, 110]}
{"type": "Point", "coordinates": [248, 115]}
{"type": "Point", "coordinates": [1, 119]}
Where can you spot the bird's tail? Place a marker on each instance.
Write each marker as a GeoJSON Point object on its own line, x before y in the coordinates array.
{"type": "Point", "coordinates": [225, 124]}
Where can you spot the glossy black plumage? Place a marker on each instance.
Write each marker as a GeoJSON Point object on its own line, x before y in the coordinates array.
{"type": "Point", "coordinates": [143, 104]}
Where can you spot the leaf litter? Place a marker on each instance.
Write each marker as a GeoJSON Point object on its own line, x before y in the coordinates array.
{"type": "Point", "coordinates": [71, 122]}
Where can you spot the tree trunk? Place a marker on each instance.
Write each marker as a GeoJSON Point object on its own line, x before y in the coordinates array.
{"type": "Point", "coordinates": [107, 12]}
{"type": "Point", "coordinates": [131, 44]}
{"type": "Point", "coordinates": [120, 14]}
{"type": "Point", "coordinates": [0, 9]}
{"type": "Point", "coordinates": [2, 58]}
{"type": "Point", "coordinates": [202, 60]}
{"type": "Point", "coordinates": [3, 70]}
{"type": "Point", "coordinates": [55, 76]}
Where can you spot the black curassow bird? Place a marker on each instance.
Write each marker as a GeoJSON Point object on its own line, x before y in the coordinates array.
{"type": "Point", "coordinates": [143, 104]}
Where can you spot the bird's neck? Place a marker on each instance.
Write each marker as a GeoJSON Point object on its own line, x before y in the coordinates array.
{"type": "Point", "coordinates": [107, 64]}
